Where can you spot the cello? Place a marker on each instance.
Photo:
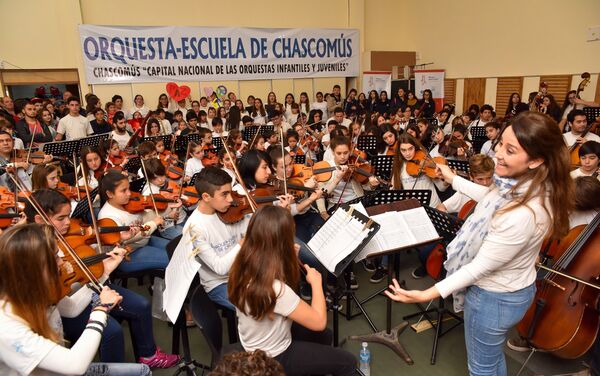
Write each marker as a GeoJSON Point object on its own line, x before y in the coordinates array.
{"type": "Point", "coordinates": [564, 317]}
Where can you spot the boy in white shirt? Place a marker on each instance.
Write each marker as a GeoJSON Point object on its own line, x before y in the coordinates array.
{"type": "Point", "coordinates": [73, 126]}
{"type": "Point", "coordinates": [578, 121]}
{"type": "Point", "coordinates": [216, 244]}
{"type": "Point", "coordinates": [589, 156]}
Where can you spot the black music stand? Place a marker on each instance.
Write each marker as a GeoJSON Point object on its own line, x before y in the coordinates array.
{"type": "Point", "coordinates": [166, 139]}
{"type": "Point", "coordinates": [368, 144]}
{"type": "Point", "coordinates": [62, 148]}
{"type": "Point", "coordinates": [446, 226]}
{"type": "Point", "coordinates": [217, 143]}
{"type": "Point", "coordinates": [133, 165]}
{"type": "Point", "coordinates": [82, 208]}
{"type": "Point", "coordinates": [383, 166]}
{"type": "Point", "coordinates": [592, 113]}
{"type": "Point", "coordinates": [249, 132]}
{"type": "Point", "coordinates": [181, 142]}
{"type": "Point", "coordinates": [390, 336]}
{"type": "Point", "coordinates": [137, 185]}
{"type": "Point", "coordinates": [433, 122]}
{"type": "Point", "coordinates": [300, 158]}
{"type": "Point", "coordinates": [458, 165]}
{"type": "Point", "coordinates": [386, 197]}
{"type": "Point", "coordinates": [93, 141]}
{"type": "Point", "coordinates": [192, 181]}
{"type": "Point", "coordinates": [478, 133]}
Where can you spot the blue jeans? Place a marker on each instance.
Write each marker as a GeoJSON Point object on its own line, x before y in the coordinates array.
{"type": "Point", "coordinates": [488, 317]}
{"type": "Point", "coordinates": [172, 232]}
{"type": "Point", "coordinates": [219, 296]}
{"type": "Point", "coordinates": [118, 369]}
{"type": "Point", "coordinates": [136, 310]}
{"type": "Point", "coordinates": [151, 256]}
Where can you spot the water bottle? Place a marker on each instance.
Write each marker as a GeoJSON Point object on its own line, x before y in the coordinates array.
{"type": "Point", "coordinates": [365, 359]}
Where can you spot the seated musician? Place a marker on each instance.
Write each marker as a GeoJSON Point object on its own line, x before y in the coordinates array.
{"type": "Point", "coordinates": [293, 146]}
{"type": "Point", "coordinates": [75, 309]}
{"type": "Point", "coordinates": [217, 243]}
{"type": "Point", "coordinates": [44, 176]}
{"type": "Point", "coordinates": [121, 134]}
{"type": "Point", "coordinates": [579, 125]}
{"type": "Point", "coordinates": [6, 154]}
{"type": "Point", "coordinates": [271, 316]}
{"type": "Point", "coordinates": [194, 160]}
{"type": "Point", "coordinates": [390, 139]}
{"type": "Point", "coordinates": [492, 131]}
{"type": "Point", "coordinates": [589, 156]}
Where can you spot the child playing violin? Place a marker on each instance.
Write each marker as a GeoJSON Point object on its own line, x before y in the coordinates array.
{"type": "Point", "coordinates": [259, 143]}
{"type": "Point", "coordinates": [227, 164]}
{"type": "Point", "coordinates": [341, 185]}
{"type": "Point", "coordinates": [309, 144]}
{"type": "Point", "coordinates": [31, 336]}
{"type": "Point", "coordinates": [217, 128]}
{"type": "Point", "coordinates": [210, 157]}
{"type": "Point", "coordinates": [236, 143]}
{"type": "Point", "coordinates": [216, 242]}
{"type": "Point", "coordinates": [405, 153]}
{"type": "Point", "coordinates": [589, 156]}
{"type": "Point", "coordinates": [390, 139]}
{"type": "Point", "coordinates": [271, 138]}
{"type": "Point", "coordinates": [6, 153]}
{"type": "Point", "coordinates": [174, 215]}
{"type": "Point", "coordinates": [116, 157]}
{"type": "Point", "coordinates": [293, 147]}
{"type": "Point", "coordinates": [75, 309]}
{"type": "Point", "coordinates": [91, 160]}
{"type": "Point", "coordinates": [271, 316]}
{"type": "Point", "coordinates": [194, 163]}
{"type": "Point", "coordinates": [150, 251]}
{"type": "Point", "coordinates": [44, 176]}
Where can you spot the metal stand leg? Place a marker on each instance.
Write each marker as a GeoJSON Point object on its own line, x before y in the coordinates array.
{"type": "Point", "coordinates": [533, 350]}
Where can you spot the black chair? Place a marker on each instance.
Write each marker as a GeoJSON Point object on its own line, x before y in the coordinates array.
{"type": "Point", "coordinates": [207, 318]}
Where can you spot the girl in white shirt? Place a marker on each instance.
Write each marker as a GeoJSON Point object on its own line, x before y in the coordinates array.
{"type": "Point", "coordinates": [138, 106]}
{"type": "Point", "coordinates": [31, 335]}
{"type": "Point", "coordinates": [194, 161]}
{"type": "Point", "coordinates": [405, 152]}
{"type": "Point", "coordinates": [259, 114]}
{"type": "Point", "coordinates": [494, 255]}
{"type": "Point", "coordinates": [271, 316]}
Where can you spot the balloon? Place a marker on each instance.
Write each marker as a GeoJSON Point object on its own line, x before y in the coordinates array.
{"type": "Point", "coordinates": [221, 91]}
{"type": "Point", "coordinates": [177, 92]}
{"type": "Point", "coordinates": [208, 91]}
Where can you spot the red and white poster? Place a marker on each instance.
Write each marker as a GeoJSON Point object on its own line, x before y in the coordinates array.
{"type": "Point", "coordinates": [432, 79]}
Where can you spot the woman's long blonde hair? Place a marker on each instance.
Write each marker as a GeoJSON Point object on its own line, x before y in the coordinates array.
{"type": "Point", "coordinates": [29, 280]}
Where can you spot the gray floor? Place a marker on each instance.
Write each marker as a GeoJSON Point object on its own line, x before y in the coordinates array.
{"type": "Point", "coordinates": [451, 359]}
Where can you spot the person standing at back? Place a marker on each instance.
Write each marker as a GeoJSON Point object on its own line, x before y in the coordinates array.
{"type": "Point", "coordinates": [74, 125]}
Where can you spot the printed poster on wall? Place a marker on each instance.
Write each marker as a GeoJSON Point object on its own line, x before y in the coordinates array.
{"type": "Point", "coordinates": [432, 80]}
{"type": "Point", "coordinates": [119, 54]}
{"type": "Point", "coordinates": [377, 81]}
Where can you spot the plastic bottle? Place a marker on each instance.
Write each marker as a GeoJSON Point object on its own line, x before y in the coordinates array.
{"type": "Point", "coordinates": [365, 359]}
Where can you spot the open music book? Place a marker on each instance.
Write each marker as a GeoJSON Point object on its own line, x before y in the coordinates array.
{"type": "Point", "coordinates": [399, 229]}
{"type": "Point", "coordinates": [339, 240]}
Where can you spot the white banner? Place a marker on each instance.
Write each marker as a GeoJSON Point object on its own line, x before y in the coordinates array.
{"type": "Point", "coordinates": [118, 54]}
{"type": "Point", "coordinates": [432, 80]}
{"type": "Point", "coordinates": [377, 81]}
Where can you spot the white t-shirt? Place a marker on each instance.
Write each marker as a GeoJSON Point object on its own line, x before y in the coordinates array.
{"type": "Point", "coordinates": [193, 166]}
{"type": "Point", "coordinates": [124, 218]}
{"type": "Point", "coordinates": [320, 106]}
{"type": "Point", "coordinates": [168, 222]}
{"type": "Point", "coordinates": [122, 139]}
{"type": "Point", "coordinates": [578, 173]}
{"type": "Point", "coordinates": [346, 122]}
{"type": "Point", "coordinates": [486, 149]}
{"type": "Point", "coordinates": [423, 182]}
{"type": "Point", "coordinates": [218, 245]}
{"type": "Point", "coordinates": [455, 202]}
{"type": "Point", "coordinates": [570, 138]}
{"type": "Point", "coordinates": [74, 127]}
{"type": "Point", "coordinates": [142, 110]}
{"type": "Point", "coordinates": [273, 336]}
{"type": "Point", "coordinates": [578, 218]}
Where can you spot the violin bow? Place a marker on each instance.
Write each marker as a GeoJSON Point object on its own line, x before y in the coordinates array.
{"type": "Point", "coordinates": [89, 200]}
{"type": "Point", "coordinates": [110, 137]}
{"type": "Point", "coordinates": [253, 205]}
{"type": "Point", "coordinates": [149, 186]}
{"type": "Point", "coordinates": [255, 136]}
{"type": "Point", "coordinates": [94, 282]}
{"type": "Point", "coordinates": [285, 190]}
{"type": "Point", "coordinates": [31, 143]}
{"type": "Point", "coordinates": [77, 176]}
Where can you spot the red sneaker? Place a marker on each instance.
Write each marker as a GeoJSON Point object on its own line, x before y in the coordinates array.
{"type": "Point", "coordinates": [160, 360]}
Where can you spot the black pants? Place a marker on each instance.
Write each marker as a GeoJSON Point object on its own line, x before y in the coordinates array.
{"type": "Point", "coordinates": [311, 353]}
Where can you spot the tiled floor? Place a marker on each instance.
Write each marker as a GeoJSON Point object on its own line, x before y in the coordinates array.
{"type": "Point", "coordinates": [451, 358]}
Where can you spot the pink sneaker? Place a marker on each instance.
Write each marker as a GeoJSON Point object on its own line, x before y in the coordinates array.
{"type": "Point", "coordinates": [160, 360]}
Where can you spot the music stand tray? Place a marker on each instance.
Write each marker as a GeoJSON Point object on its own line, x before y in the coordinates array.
{"type": "Point", "coordinates": [386, 197]}
{"type": "Point", "coordinates": [133, 165]}
{"type": "Point", "coordinates": [367, 144]}
{"type": "Point", "coordinates": [82, 207]}
{"type": "Point", "coordinates": [62, 148]}
{"type": "Point", "coordinates": [137, 185]}
{"type": "Point", "coordinates": [592, 113]}
{"type": "Point", "coordinates": [383, 166]}
{"type": "Point", "coordinates": [93, 141]}
{"type": "Point", "coordinates": [181, 142]}
{"type": "Point", "coordinates": [478, 132]}
{"type": "Point", "coordinates": [166, 139]}
{"type": "Point", "coordinates": [192, 181]}
{"type": "Point", "coordinates": [300, 159]}
{"type": "Point", "coordinates": [249, 132]}
{"type": "Point", "coordinates": [217, 143]}
{"type": "Point", "coordinates": [459, 165]}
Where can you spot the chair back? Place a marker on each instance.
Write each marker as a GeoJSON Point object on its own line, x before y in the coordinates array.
{"type": "Point", "coordinates": [208, 320]}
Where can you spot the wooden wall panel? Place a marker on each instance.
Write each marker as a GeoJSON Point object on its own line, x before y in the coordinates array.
{"type": "Point", "coordinates": [505, 87]}
{"type": "Point", "coordinates": [558, 86]}
{"type": "Point", "coordinates": [450, 90]}
{"type": "Point", "coordinates": [474, 92]}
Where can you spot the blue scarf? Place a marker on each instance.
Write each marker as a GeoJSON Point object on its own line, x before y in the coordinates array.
{"type": "Point", "coordinates": [463, 249]}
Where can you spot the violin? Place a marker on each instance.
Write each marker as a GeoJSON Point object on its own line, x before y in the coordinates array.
{"type": "Point", "coordinates": [361, 172]}
{"type": "Point", "coordinates": [173, 191]}
{"type": "Point", "coordinates": [467, 209]}
{"type": "Point", "coordinates": [295, 187]}
{"type": "Point", "coordinates": [7, 218]}
{"type": "Point", "coordinates": [422, 163]}
{"type": "Point", "coordinates": [118, 160]}
{"type": "Point", "coordinates": [35, 157]}
{"type": "Point", "coordinates": [138, 203]}
{"type": "Point", "coordinates": [210, 157]}
{"type": "Point", "coordinates": [240, 206]}
{"type": "Point", "coordinates": [72, 193]}
{"type": "Point", "coordinates": [80, 233]}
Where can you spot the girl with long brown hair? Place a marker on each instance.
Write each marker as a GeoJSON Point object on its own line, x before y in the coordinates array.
{"type": "Point", "coordinates": [491, 262]}
{"type": "Point", "coordinates": [31, 335]}
{"type": "Point", "coordinates": [271, 316]}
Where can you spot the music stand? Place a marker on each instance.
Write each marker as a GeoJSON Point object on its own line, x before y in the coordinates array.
{"type": "Point", "coordinates": [383, 166]}
{"type": "Point", "coordinates": [181, 142]}
{"type": "Point", "coordinates": [592, 113]}
{"type": "Point", "coordinates": [192, 181]}
{"type": "Point", "coordinates": [166, 139]}
{"type": "Point", "coordinates": [478, 133]}
{"type": "Point", "coordinates": [300, 158]}
{"type": "Point", "coordinates": [386, 197]}
{"type": "Point", "coordinates": [133, 165]}
{"type": "Point", "coordinates": [93, 141]}
{"type": "Point", "coordinates": [446, 226]}
{"type": "Point", "coordinates": [82, 208]}
{"type": "Point", "coordinates": [217, 142]}
{"type": "Point", "coordinates": [478, 144]}
{"type": "Point", "coordinates": [462, 166]}
{"type": "Point", "coordinates": [368, 144]}
{"type": "Point", "coordinates": [390, 336]}
{"type": "Point", "coordinates": [62, 148]}
{"type": "Point", "coordinates": [433, 122]}
{"type": "Point", "coordinates": [137, 185]}
{"type": "Point", "coordinates": [249, 132]}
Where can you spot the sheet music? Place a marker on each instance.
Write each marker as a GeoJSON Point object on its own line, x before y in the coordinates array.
{"type": "Point", "coordinates": [337, 238]}
{"type": "Point", "coordinates": [179, 274]}
{"type": "Point", "coordinates": [399, 229]}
